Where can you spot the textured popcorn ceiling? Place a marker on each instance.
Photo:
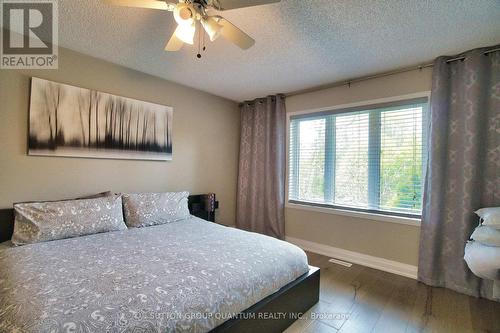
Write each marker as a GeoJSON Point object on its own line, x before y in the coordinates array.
{"type": "Point", "coordinates": [300, 44]}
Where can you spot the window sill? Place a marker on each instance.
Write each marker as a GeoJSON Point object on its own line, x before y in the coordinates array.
{"type": "Point", "coordinates": [362, 215]}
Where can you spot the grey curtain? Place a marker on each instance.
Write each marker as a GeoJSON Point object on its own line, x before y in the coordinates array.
{"type": "Point", "coordinates": [261, 178]}
{"type": "Point", "coordinates": [463, 172]}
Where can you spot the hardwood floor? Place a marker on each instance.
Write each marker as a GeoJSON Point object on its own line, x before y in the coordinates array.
{"type": "Point", "coordinates": [360, 299]}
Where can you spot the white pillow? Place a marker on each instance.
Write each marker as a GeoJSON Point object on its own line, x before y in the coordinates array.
{"type": "Point", "coordinates": [486, 235]}
{"type": "Point", "coordinates": [490, 216]}
{"type": "Point", "coordinates": [483, 261]}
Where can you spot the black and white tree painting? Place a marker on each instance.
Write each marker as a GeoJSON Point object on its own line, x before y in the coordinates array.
{"type": "Point", "coordinates": [77, 122]}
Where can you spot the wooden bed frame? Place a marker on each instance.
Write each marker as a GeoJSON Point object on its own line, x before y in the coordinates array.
{"type": "Point", "coordinates": [273, 314]}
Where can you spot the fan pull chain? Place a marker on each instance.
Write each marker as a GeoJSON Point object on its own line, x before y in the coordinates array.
{"type": "Point", "coordinates": [199, 41]}
{"type": "Point", "coordinates": [204, 46]}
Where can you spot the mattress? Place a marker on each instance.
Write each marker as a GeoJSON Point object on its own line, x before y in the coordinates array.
{"type": "Point", "coordinates": [186, 276]}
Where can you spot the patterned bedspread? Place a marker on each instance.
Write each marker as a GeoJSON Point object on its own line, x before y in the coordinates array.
{"type": "Point", "coordinates": [186, 276]}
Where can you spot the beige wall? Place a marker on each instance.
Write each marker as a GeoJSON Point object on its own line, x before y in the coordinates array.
{"type": "Point", "coordinates": [205, 139]}
{"type": "Point", "coordinates": [381, 239]}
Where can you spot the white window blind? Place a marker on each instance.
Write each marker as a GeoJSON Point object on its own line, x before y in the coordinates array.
{"type": "Point", "coordinates": [367, 159]}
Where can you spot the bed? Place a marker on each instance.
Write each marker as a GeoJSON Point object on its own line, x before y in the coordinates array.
{"type": "Point", "coordinates": [186, 276]}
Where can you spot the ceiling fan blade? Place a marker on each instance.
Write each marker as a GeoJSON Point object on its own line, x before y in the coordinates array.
{"type": "Point", "coordinates": [174, 43]}
{"type": "Point", "coordinates": [233, 4]}
{"type": "Point", "coordinates": [234, 34]}
{"type": "Point", "coordinates": [152, 4]}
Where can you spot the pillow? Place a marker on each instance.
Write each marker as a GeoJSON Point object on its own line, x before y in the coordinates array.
{"type": "Point", "coordinates": [146, 209]}
{"type": "Point", "coordinates": [490, 216]}
{"type": "Point", "coordinates": [90, 196]}
{"type": "Point", "coordinates": [45, 221]}
{"type": "Point", "coordinates": [483, 261]}
{"type": "Point", "coordinates": [95, 196]}
{"type": "Point", "coordinates": [486, 235]}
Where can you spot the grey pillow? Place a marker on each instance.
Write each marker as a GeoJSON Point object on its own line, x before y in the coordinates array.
{"type": "Point", "coordinates": [146, 209]}
{"type": "Point", "coordinates": [45, 221]}
{"type": "Point", "coordinates": [90, 196]}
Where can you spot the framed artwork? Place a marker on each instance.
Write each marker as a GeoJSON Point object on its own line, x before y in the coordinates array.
{"type": "Point", "coordinates": [76, 122]}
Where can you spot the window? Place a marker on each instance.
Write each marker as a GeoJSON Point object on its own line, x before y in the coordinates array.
{"type": "Point", "coordinates": [367, 159]}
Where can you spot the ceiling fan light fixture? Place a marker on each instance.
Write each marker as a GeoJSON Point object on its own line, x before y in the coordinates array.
{"type": "Point", "coordinates": [186, 33]}
{"type": "Point", "coordinates": [212, 27]}
{"type": "Point", "coordinates": [187, 12]}
{"type": "Point", "coordinates": [184, 14]}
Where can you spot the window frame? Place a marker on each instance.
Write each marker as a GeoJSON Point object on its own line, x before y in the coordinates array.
{"type": "Point", "coordinates": [371, 214]}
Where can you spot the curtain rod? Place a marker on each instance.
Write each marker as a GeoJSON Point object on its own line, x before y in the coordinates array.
{"type": "Point", "coordinates": [463, 57]}
{"type": "Point", "coordinates": [375, 76]}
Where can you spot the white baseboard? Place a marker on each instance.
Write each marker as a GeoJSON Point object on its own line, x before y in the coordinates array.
{"type": "Point", "coordinates": [382, 264]}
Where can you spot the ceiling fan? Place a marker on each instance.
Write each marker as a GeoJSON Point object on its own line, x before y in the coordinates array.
{"type": "Point", "coordinates": [188, 12]}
